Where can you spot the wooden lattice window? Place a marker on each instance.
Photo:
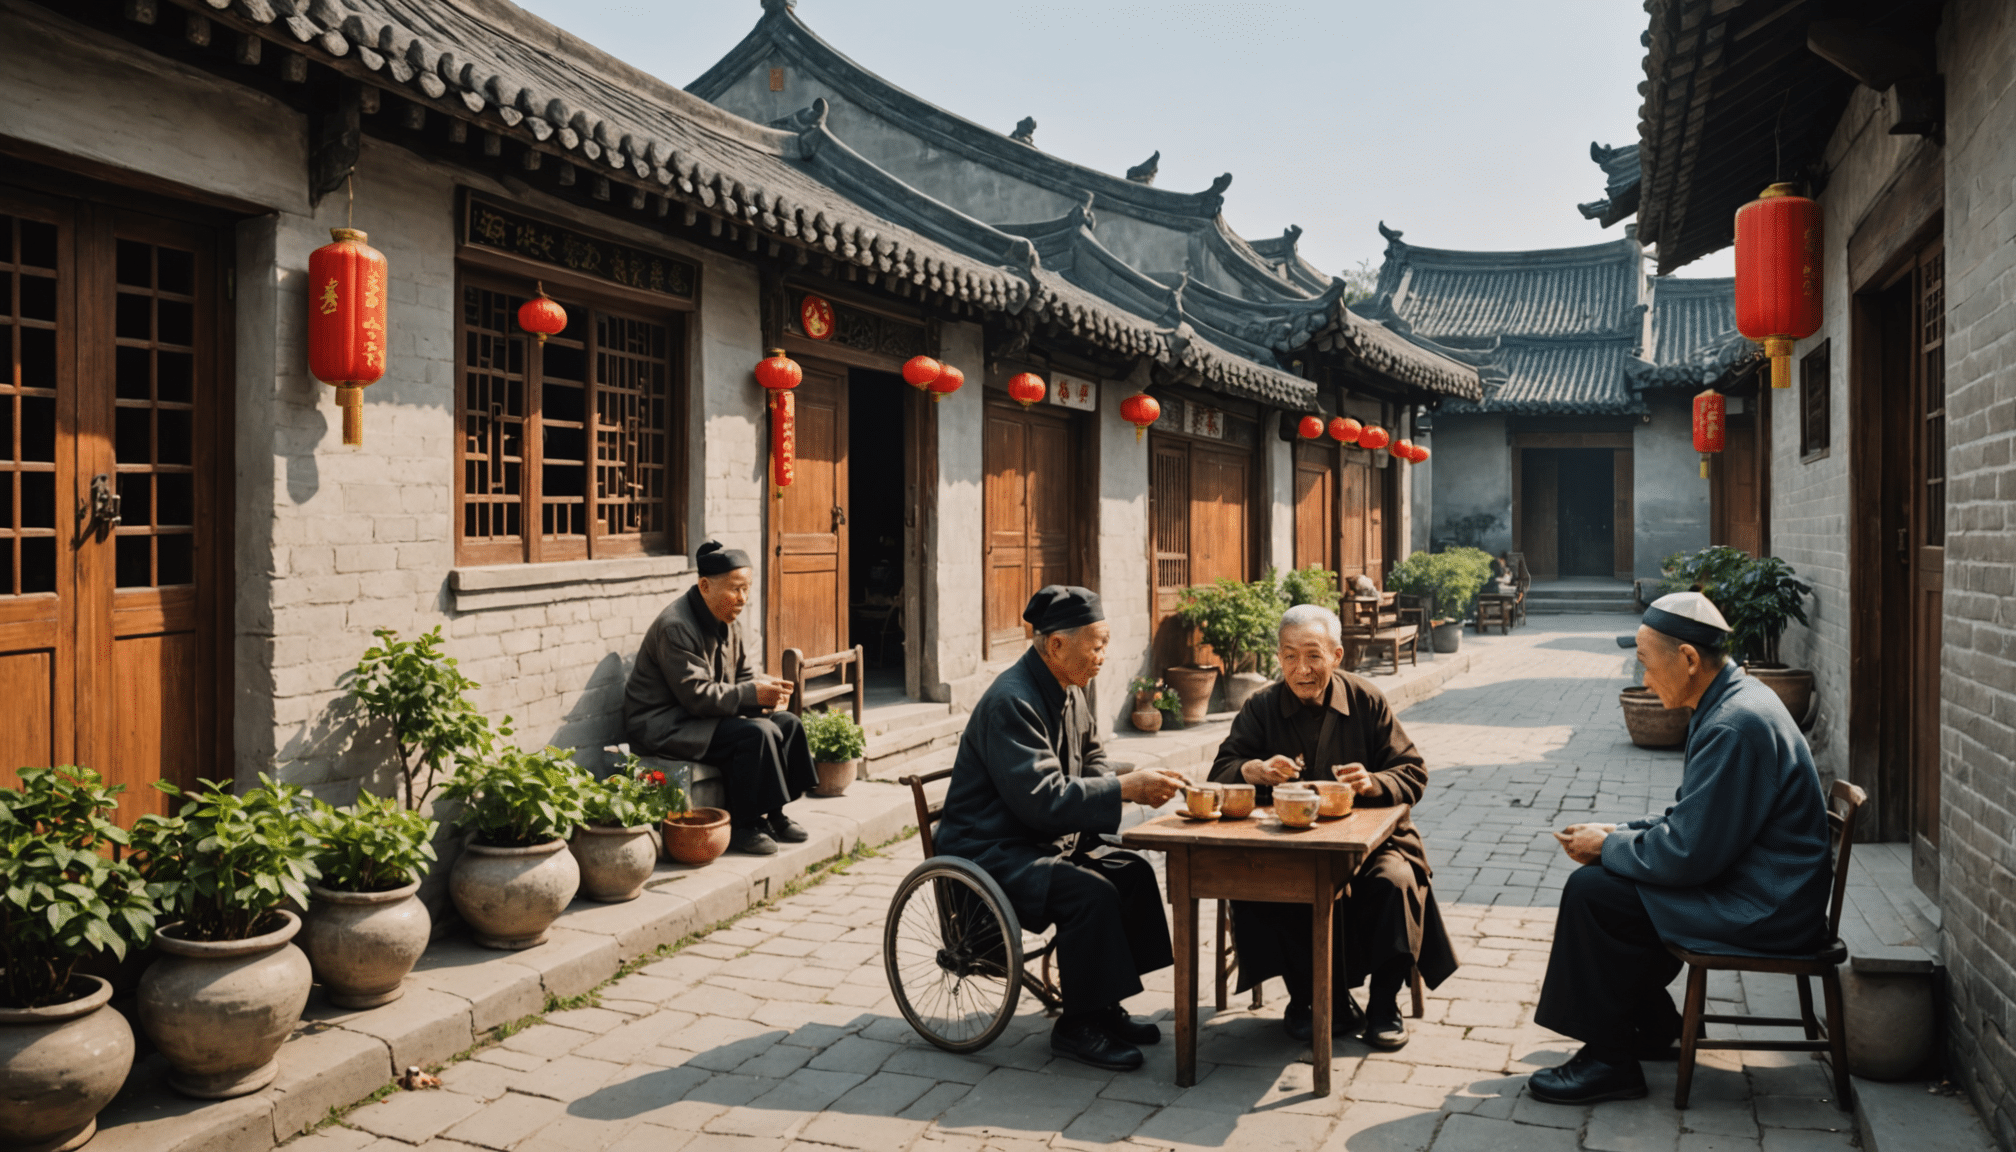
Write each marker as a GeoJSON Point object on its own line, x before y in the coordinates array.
{"type": "Point", "coordinates": [1931, 294]}
{"type": "Point", "coordinates": [1816, 413]}
{"type": "Point", "coordinates": [567, 447]}
{"type": "Point", "coordinates": [28, 400]}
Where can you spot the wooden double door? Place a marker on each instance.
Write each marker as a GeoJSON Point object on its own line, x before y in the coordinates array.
{"type": "Point", "coordinates": [1031, 503]}
{"type": "Point", "coordinates": [112, 597]}
{"type": "Point", "coordinates": [1200, 504]}
{"type": "Point", "coordinates": [1340, 512]}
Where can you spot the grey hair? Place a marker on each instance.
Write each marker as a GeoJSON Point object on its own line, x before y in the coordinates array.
{"type": "Point", "coordinates": [1305, 615]}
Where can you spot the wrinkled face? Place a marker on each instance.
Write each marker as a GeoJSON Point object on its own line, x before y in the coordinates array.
{"type": "Point", "coordinates": [1669, 666]}
{"type": "Point", "coordinates": [727, 594]}
{"type": "Point", "coordinates": [1076, 657]}
{"type": "Point", "coordinates": [1308, 659]}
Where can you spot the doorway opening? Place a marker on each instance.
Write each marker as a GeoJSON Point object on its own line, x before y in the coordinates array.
{"type": "Point", "coordinates": [1586, 541]}
{"type": "Point", "coordinates": [879, 501]}
{"type": "Point", "coordinates": [1573, 511]}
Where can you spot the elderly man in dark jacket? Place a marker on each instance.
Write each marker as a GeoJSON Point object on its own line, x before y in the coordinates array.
{"type": "Point", "coordinates": [1739, 864]}
{"type": "Point", "coordinates": [694, 694]}
{"type": "Point", "coordinates": [1322, 723]}
{"type": "Point", "coordinates": [1031, 796]}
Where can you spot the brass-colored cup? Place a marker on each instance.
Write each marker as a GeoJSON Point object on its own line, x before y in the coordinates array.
{"type": "Point", "coordinates": [1296, 807]}
{"type": "Point", "coordinates": [1237, 802]}
{"type": "Point", "coordinates": [1333, 799]}
{"type": "Point", "coordinates": [1202, 800]}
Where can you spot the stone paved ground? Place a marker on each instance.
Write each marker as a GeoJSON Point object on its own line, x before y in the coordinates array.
{"type": "Point", "coordinates": [779, 1034]}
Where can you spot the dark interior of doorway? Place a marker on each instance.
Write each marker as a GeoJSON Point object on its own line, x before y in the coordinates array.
{"type": "Point", "coordinates": [876, 496]}
{"type": "Point", "coordinates": [1587, 536]}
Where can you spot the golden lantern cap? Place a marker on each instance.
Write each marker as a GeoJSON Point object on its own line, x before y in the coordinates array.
{"type": "Point", "coordinates": [1774, 191]}
{"type": "Point", "coordinates": [356, 234]}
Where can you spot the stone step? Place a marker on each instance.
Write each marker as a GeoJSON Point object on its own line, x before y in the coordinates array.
{"type": "Point", "coordinates": [890, 750]}
{"type": "Point", "coordinates": [879, 719]}
{"type": "Point", "coordinates": [1536, 607]}
{"type": "Point", "coordinates": [1538, 592]}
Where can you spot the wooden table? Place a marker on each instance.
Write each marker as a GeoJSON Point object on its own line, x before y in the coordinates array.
{"type": "Point", "coordinates": [1258, 859]}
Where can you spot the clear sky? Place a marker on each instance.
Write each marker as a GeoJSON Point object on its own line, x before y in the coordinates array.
{"type": "Point", "coordinates": [1465, 123]}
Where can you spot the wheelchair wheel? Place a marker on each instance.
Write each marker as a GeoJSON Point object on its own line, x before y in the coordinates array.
{"type": "Point", "coordinates": [953, 952]}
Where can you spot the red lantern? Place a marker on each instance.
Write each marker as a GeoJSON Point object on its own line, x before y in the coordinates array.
{"type": "Point", "coordinates": [1140, 410]}
{"type": "Point", "coordinates": [1309, 427]}
{"type": "Point", "coordinates": [543, 316]}
{"type": "Point", "coordinates": [1374, 437]}
{"type": "Point", "coordinates": [783, 438]}
{"type": "Point", "coordinates": [779, 373]}
{"type": "Point", "coordinates": [1402, 450]}
{"type": "Point", "coordinates": [920, 371]}
{"type": "Point", "coordinates": [1345, 430]}
{"type": "Point", "coordinates": [1711, 420]}
{"type": "Point", "coordinates": [1026, 388]}
{"type": "Point", "coordinates": [1420, 454]}
{"type": "Point", "coordinates": [346, 322]}
{"type": "Point", "coordinates": [1778, 274]}
{"type": "Point", "coordinates": [948, 382]}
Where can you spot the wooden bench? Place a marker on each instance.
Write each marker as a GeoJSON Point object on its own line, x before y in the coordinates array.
{"type": "Point", "coordinates": [1373, 622]}
{"type": "Point", "coordinates": [848, 665]}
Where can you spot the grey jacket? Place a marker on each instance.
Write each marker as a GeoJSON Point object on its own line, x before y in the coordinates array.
{"type": "Point", "coordinates": [692, 672]}
{"type": "Point", "coordinates": [1030, 771]}
{"type": "Point", "coordinates": [1740, 863]}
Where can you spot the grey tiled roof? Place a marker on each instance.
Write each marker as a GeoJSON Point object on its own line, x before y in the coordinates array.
{"type": "Point", "coordinates": [1550, 292]}
{"type": "Point", "coordinates": [1688, 314]}
{"type": "Point", "coordinates": [1621, 182]}
{"type": "Point", "coordinates": [1573, 375]}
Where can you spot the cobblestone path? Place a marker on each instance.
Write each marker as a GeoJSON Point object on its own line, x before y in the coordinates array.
{"type": "Point", "coordinates": [780, 1034]}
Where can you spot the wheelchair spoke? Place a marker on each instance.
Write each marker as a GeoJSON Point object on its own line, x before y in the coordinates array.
{"type": "Point", "coordinates": [948, 956]}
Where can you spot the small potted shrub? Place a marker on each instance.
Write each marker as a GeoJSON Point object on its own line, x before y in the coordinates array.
{"type": "Point", "coordinates": [1759, 602]}
{"type": "Point", "coordinates": [616, 846]}
{"type": "Point", "coordinates": [837, 744]}
{"type": "Point", "coordinates": [514, 876]}
{"type": "Point", "coordinates": [1239, 621]}
{"type": "Point", "coordinates": [230, 983]}
{"type": "Point", "coordinates": [1145, 715]}
{"type": "Point", "coordinates": [1448, 582]}
{"type": "Point", "coordinates": [417, 691]}
{"type": "Point", "coordinates": [367, 926]}
{"type": "Point", "coordinates": [64, 1052]}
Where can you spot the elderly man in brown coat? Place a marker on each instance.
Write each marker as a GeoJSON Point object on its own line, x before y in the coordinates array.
{"type": "Point", "coordinates": [1322, 723]}
{"type": "Point", "coordinates": [694, 694]}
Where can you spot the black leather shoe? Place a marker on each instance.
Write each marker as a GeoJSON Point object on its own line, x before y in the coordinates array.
{"type": "Point", "coordinates": [1585, 1079]}
{"type": "Point", "coordinates": [1088, 1042]}
{"type": "Point", "coordinates": [754, 841]}
{"type": "Point", "coordinates": [1297, 1022]}
{"type": "Point", "coordinates": [1385, 1029]}
{"type": "Point", "coordinates": [1128, 1030]}
{"type": "Point", "coordinates": [787, 830]}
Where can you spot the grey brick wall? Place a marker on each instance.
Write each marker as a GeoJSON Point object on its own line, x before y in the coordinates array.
{"type": "Point", "coordinates": [1978, 716]}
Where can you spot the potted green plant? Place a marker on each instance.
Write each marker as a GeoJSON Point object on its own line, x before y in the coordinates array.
{"type": "Point", "coordinates": [1760, 601]}
{"type": "Point", "coordinates": [416, 690]}
{"type": "Point", "coordinates": [838, 744]}
{"type": "Point", "coordinates": [1238, 620]}
{"type": "Point", "coordinates": [367, 926]}
{"type": "Point", "coordinates": [1448, 581]}
{"type": "Point", "coordinates": [1313, 584]}
{"type": "Point", "coordinates": [1145, 716]}
{"type": "Point", "coordinates": [514, 876]}
{"type": "Point", "coordinates": [230, 983]}
{"type": "Point", "coordinates": [64, 1052]}
{"type": "Point", "coordinates": [616, 845]}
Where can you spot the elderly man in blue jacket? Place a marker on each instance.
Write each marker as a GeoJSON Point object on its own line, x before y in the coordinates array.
{"type": "Point", "coordinates": [1738, 865]}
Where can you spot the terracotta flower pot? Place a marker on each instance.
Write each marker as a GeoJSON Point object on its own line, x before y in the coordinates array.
{"type": "Point", "coordinates": [1193, 686]}
{"type": "Point", "coordinates": [511, 896]}
{"type": "Point", "coordinates": [1652, 724]}
{"type": "Point", "coordinates": [362, 944]}
{"type": "Point", "coordinates": [835, 776]}
{"type": "Point", "coordinates": [1240, 687]}
{"type": "Point", "coordinates": [219, 1010]}
{"type": "Point", "coordinates": [59, 1066]}
{"type": "Point", "coordinates": [1147, 719]}
{"type": "Point", "coordinates": [698, 836]}
{"type": "Point", "coordinates": [1793, 685]}
{"type": "Point", "coordinates": [614, 862]}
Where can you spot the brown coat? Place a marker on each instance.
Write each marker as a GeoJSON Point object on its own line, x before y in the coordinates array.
{"type": "Point", "coordinates": [1362, 730]}
{"type": "Point", "coordinates": [692, 672]}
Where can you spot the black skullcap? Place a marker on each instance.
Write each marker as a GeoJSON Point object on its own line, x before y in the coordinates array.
{"type": "Point", "coordinates": [1688, 617]}
{"type": "Point", "coordinates": [1057, 607]}
{"type": "Point", "coordinates": [713, 559]}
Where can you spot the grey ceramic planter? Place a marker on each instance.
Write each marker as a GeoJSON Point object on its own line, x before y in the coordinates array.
{"type": "Point", "coordinates": [511, 896]}
{"type": "Point", "coordinates": [362, 944]}
{"type": "Point", "coordinates": [614, 862]}
{"type": "Point", "coordinates": [219, 1010]}
{"type": "Point", "coordinates": [59, 1066]}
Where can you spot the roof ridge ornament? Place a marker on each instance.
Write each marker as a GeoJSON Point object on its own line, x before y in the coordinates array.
{"type": "Point", "coordinates": [1392, 235]}
{"type": "Point", "coordinates": [1144, 172]}
{"type": "Point", "coordinates": [1025, 131]}
{"type": "Point", "coordinates": [778, 7]}
{"type": "Point", "coordinates": [1082, 215]}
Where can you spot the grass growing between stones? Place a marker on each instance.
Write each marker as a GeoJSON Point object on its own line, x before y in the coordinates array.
{"type": "Point", "coordinates": [815, 874]}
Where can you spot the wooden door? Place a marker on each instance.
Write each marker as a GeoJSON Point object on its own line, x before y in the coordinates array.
{"type": "Point", "coordinates": [1200, 529]}
{"type": "Point", "coordinates": [1221, 485]}
{"type": "Point", "coordinates": [1315, 507]}
{"type": "Point", "coordinates": [1623, 481]}
{"type": "Point", "coordinates": [111, 481]}
{"type": "Point", "coordinates": [1926, 554]}
{"type": "Point", "coordinates": [1030, 506]}
{"type": "Point", "coordinates": [1736, 513]}
{"type": "Point", "coordinates": [808, 526]}
{"type": "Point", "coordinates": [1538, 511]}
{"type": "Point", "coordinates": [1376, 549]}
{"type": "Point", "coordinates": [1354, 496]}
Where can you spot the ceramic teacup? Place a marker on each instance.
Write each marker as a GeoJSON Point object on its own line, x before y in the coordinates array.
{"type": "Point", "coordinates": [1295, 805]}
{"type": "Point", "coordinates": [1333, 799]}
{"type": "Point", "coordinates": [1202, 799]}
{"type": "Point", "coordinates": [1237, 801]}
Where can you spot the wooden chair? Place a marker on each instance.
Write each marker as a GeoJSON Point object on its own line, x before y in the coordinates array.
{"type": "Point", "coordinates": [1522, 582]}
{"type": "Point", "coordinates": [1373, 622]}
{"type": "Point", "coordinates": [1496, 608]}
{"type": "Point", "coordinates": [1829, 1035]}
{"type": "Point", "coordinates": [849, 665]}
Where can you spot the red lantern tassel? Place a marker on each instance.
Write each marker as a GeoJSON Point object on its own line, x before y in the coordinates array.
{"type": "Point", "coordinates": [783, 438]}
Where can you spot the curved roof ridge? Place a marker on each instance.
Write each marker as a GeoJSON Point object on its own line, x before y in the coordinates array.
{"type": "Point", "coordinates": [782, 30]}
{"type": "Point", "coordinates": [1458, 258]}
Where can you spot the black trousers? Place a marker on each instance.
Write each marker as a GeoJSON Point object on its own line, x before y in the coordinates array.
{"type": "Point", "coordinates": [765, 762]}
{"type": "Point", "coordinates": [1369, 928]}
{"type": "Point", "coordinates": [1111, 929]}
{"type": "Point", "coordinates": [1607, 975]}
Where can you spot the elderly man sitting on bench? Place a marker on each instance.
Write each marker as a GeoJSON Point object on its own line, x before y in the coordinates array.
{"type": "Point", "coordinates": [695, 695]}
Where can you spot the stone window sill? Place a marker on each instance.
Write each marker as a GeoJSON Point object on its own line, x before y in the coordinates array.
{"type": "Point", "coordinates": [517, 585]}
